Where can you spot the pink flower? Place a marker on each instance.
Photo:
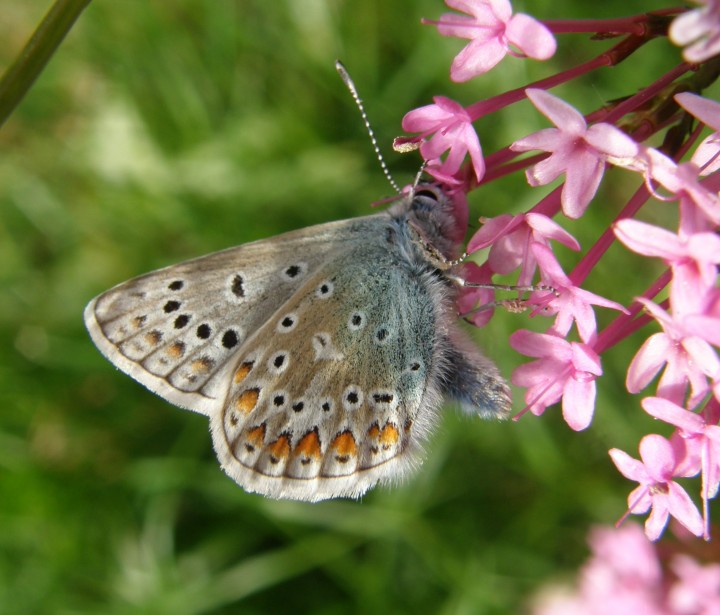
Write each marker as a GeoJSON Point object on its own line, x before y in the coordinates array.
{"type": "Point", "coordinates": [682, 181]}
{"type": "Point", "coordinates": [697, 590]}
{"type": "Point", "coordinates": [623, 577]}
{"type": "Point", "coordinates": [700, 27]}
{"type": "Point", "coordinates": [492, 29]}
{"type": "Point", "coordinates": [476, 304]}
{"type": "Point", "coordinates": [564, 370]}
{"type": "Point", "coordinates": [701, 438]}
{"type": "Point", "coordinates": [706, 324]}
{"type": "Point", "coordinates": [627, 575]}
{"type": "Point", "coordinates": [453, 132]}
{"type": "Point", "coordinates": [510, 238]}
{"type": "Point", "coordinates": [657, 491]}
{"type": "Point", "coordinates": [628, 554]}
{"type": "Point", "coordinates": [576, 150]}
{"type": "Point", "coordinates": [693, 259]}
{"type": "Point", "coordinates": [707, 154]}
{"type": "Point", "coordinates": [687, 359]}
{"type": "Point", "coordinates": [571, 303]}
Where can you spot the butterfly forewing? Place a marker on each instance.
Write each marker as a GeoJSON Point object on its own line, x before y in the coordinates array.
{"type": "Point", "coordinates": [331, 393]}
{"type": "Point", "coordinates": [176, 330]}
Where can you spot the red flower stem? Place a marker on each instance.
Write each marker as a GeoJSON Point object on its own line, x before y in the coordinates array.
{"type": "Point", "coordinates": [490, 105]}
{"type": "Point", "coordinates": [595, 253]}
{"type": "Point", "coordinates": [624, 25]}
{"type": "Point", "coordinates": [549, 205]}
{"type": "Point", "coordinates": [625, 324]}
{"type": "Point", "coordinates": [611, 57]}
{"type": "Point", "coordinates": [496, 171]}
{"type": "Point", "coordinates": [637, 24]}
{"type": "Point", "coordinates": [646, 94]}
{"type": "Point", "coordinates": [496, 159]}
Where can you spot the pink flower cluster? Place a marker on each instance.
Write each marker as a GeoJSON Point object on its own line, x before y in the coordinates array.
{"type": "Point", "coordinates": [578, 149]}
{"type": "Point", "coordinates": [627, 575]}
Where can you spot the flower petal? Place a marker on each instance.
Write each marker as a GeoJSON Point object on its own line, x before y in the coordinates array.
{"type": "Point", "coordinates": [531, 37]}
{"type": "Point", "coordinates": [648, 361]}
{"type": "Point", "coordinates": [578, 403]}
{"type": "Point", "coordinates": [707, 111]}
{"type": "Point", "coordinates": [669, 412]}
{"type": "Point", "coordinates": [562, 114]}
{"type": "Point", "coordinates": [550, 229]}
{"type": "Point", "coordinates": [582, 179]}
{"type": "Point", "coordinates": [477, 58]}
{"type": "Point", "coordinates": [658, 456]}
{"type": "Point", "coordinates": [684, 510]}
{"type": "Point", "coordinates": [628, 466]}
{"type": "Point", "coordinates": [649, 240]}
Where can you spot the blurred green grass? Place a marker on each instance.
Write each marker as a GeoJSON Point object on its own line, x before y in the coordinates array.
{"type": "Point", "coordinates": [162, 131]}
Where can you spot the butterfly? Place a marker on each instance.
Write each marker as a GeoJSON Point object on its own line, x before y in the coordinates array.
{"type": "Point", "coordinates": [320, 356]}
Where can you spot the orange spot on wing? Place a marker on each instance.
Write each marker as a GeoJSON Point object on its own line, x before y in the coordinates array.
{"type": "Point", "coordinates": [246, 401]}
{"type": "Point", "coordinates": [256, 435]}
{"type": "Point", "coordinates": [153, 337]}
{"type": "Point", "coordinates": [279, 449]}
{"type": "Point", "coordinates": [242, 371]}
{"type": "Point", "coordinates": [202, 365]}
{"type": "Point", "coordinates": [309, 445]}
{"type": "Point", "coordinates": [176, 350]}
{"type": "Point", "coordinates": [389, 435]}
{"type": "Point", "coordinates": [374, 431]}
{"type": "Point", "coordinates": [344, 446]}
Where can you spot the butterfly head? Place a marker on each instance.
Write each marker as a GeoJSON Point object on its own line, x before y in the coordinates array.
{"type": "Point", "coordinates": [435, 219]}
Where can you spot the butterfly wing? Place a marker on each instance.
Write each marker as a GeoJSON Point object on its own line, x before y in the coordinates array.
{"type": "Point", "coordinates": [338, 388]}
{"type": "Point", "coordinates": [177, 330]}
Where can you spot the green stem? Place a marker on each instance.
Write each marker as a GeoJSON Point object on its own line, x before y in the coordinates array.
{"type": "Point", "coordinates": [37, 53]}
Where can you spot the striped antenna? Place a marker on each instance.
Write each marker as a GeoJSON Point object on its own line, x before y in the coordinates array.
{"type": "Point", "coordinates": [356, 97]}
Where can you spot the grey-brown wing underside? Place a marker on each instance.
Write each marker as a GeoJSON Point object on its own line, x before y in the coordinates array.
{"type": "Point", "coordinates": [177, 329]}
{"type": "Point", "coordinates": [337, 389]}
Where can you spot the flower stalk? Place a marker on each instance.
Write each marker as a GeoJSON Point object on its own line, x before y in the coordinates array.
{"type": "Point", "coordinates": [577, 150]}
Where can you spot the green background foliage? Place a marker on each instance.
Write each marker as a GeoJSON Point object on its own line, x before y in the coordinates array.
{"type": "Point", "coordinates": [165, 130]}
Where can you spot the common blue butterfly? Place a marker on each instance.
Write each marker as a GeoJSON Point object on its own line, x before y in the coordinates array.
{"type": "Point", "coordinates": [320, 356]}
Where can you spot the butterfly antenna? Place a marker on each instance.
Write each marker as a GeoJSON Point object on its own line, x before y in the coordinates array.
{"type": "Point", "coordinates": [345, 76]}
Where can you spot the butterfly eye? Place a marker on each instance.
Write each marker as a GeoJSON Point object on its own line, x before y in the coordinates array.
{"type": "Point", "coordinates": [426, 194]}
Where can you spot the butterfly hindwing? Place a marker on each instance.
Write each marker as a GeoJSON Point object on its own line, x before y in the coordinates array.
{"type": "Point", "coordinates": [336, 391]}
{"type": "Point", "coordinates": [176, 330]}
